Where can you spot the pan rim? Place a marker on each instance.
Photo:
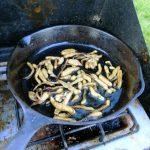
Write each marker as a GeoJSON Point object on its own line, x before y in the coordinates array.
{"type": "Point", "coordinates": [106, 118]}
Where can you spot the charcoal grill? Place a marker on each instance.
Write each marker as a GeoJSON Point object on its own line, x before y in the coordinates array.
{"type": "Point", "coordinates": [116, 17]}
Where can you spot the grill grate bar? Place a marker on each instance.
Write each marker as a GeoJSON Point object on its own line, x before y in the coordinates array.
{"type": "Point", "coordinates": [79, 129]}
{"type": "Point", "coordinates": [48, 138]}
{"type": "Point", "coordinates": [63, 137]}
{"type": "Point", "coordinates": [57, 136]}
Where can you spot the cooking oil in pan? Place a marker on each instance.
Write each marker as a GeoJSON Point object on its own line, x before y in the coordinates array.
{"type": "Point", "coordinates": [55, 50]}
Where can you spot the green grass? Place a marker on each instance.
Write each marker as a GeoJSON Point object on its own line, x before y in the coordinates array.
{"type": "Point", "coordinates": [143, 12]}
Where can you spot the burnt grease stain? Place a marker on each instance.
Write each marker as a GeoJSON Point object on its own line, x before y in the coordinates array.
{"type": "Point", "coordinates": [54, 50]}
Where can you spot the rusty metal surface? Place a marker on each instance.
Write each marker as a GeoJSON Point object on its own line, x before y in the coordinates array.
{"type": "Point", "coordinates": [8, 121]}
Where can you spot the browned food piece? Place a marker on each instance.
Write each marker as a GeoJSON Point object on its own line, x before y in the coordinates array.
{"type": "Point", "coordinates": [36, 75]}
{"type": "Point", "coordinates": [106, 69]}
{"type": "Point", "coordinates": [64, 115]}
{"type": "Point", "coordinates": [42, 63]}
{"type": "Point", "coordinates": [110, 91]}
{"type": "Point", "coordinates": [68, 51]}
{"type": "Point", "coordinates": [34, 65]}
{"type": "Point", "coordinates": [50, 68]}
{"type": "Point", "coordinates": [89, 84]}
{"type": "Point", "coordinates": [52, 57]}
{"type": "Point", "coordinates": [47, 83]}
{"type": "Point", "coordinates": [78, 80]}
{"type": "Point", "coordinates": [31, 66]}
{"type": "Point", "coordinates": [95, 114]}
{"type": "Point", "coordinates": [75, 98]}
{"type": "Point", "coordinates": [57, 111]}
{"type": "Point", "coordinates": [115, 83]}
{"type": "Point", "coordinates": [64, 119]}
{"type": "Point", "coordinates": [105, 80]}
{"type": "Point", "coordinates": [119, 79]}
{"type": "Point", "coordinates": [42, 98]}
{"type": "Point", "coordinates": [62, 107]}
{"type": "Point", "coordinates": [60, 90]}
{"type": "Point", "coordinates": [86, 76]}
{"type": "Point", "coordinates": [114, 73]}
{"type": "Point", "coordinates": [41, 76]}
{"type": "Point", "coordinates": [84, 82]}
{"type": "Point", "coordinates": [66, 77]}
{"type": "Point", "coordinates": [107, 104]}
{"type": "Point", "coordinates": [101, 83]}
{"type": "Point", "coordinates": [93, 52]}
{"type": "Point", "coordinates": [115, 78]}
{"type": "Point", "coordinates": [45, 73]}
{"type": "Point", "coordinates": [83, 58]}
{"type": "Point", "coordinates": [87, 65]}
{"type": "Point", "coordinates": [111, 67]}
{"type": "Point", "coordinates": [83, 107]}
{"type": "Point", "coordinates": [55, 64]}
{"type": "Point", "coordinates": [67, 98]}
{"type": "Point", "coordinates": [108, 63]}
{"type": "Point", "coordinates": [60, 60]}
{"type": "Point", "coordinates": [52, 84]}
{"type": "Point", "coordinates": [94, 56]}
{"type": "Point", "coordinates": [70, 55]}
{"type": "Point", "coordinates": [83, 101]}
{"type": "Point", "coordinates": [32, 96]}
{"type": "Point", "coordinates": [73, 77]}
{"type": "Point", "coordinates": [74, 62]}
{"type": "Point", "coordinates": [53, 88]}
{"type": "Point", "coordinates": [69, 71]}
{"type": "Point", "coordinates": [62, 69]}
{"type": "Point", "coordinates": [95, 94]}
{"type": "Point", "coordinates": [59, 97]}
{"type": "Point", "coordinates": [69, 87]}
{"type": "Point", "coordinates": [99, 69]}
{"type": "Point", "coordinates": [94, 87]}
{"type": "Point", "coordinates": [91, 63]}
{"type": "Point", "coordinates": [79, 73]}
{"type": "Point", "coordinates": [48, 102]}
{"type": "Point", "coordinates": [80, 85]}
{"type": "Point", "coordinates": [91, 60]}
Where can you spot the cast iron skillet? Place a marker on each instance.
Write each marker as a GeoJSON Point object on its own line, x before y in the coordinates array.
{"type": "Point", "coordinates": [122, 55]}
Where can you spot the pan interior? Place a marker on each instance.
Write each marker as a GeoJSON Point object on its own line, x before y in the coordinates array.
{"type": "Point", "coordinates": [54, 50]}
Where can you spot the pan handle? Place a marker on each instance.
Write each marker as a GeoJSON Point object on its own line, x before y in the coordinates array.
{"type": "Point", "coordinates": [31, 123]}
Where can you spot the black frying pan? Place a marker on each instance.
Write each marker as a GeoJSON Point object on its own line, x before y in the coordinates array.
{"type": "Point", "coordinates": [70, 36]}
